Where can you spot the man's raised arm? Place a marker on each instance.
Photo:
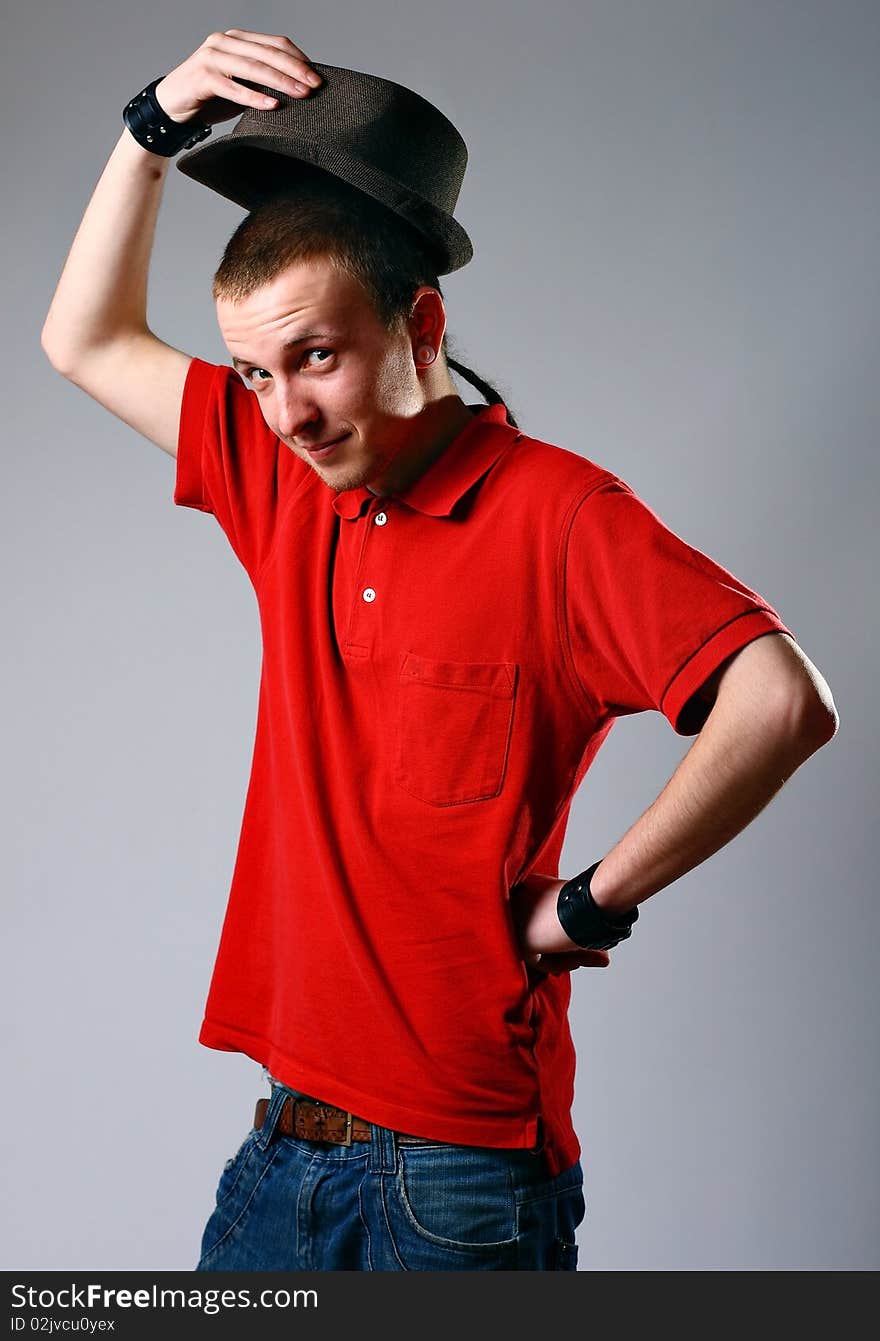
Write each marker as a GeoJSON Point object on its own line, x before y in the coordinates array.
{"type": "Point", "coordinates": [96, 333]}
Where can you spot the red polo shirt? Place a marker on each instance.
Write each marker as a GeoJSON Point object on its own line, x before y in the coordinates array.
{"type": "Point", "coordinates": [440, 667]}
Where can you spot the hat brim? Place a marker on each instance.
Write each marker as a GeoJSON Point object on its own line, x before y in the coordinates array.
{"type": "Point", "coordinates": [248, 169]}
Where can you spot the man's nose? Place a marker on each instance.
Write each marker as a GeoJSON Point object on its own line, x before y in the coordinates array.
{"type": "Point", "coordinates": [295, 412]}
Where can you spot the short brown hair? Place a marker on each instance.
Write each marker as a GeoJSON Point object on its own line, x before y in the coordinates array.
{"type": "Point", "coordinates": [321, 216]}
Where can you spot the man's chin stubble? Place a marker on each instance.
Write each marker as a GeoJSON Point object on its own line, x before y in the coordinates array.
{"type": "Point", "coordinates": [340, 477]}
{"type": "Point", "coordinates": [341, 480]}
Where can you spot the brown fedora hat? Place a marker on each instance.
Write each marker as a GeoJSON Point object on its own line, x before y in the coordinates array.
{"type": "Point", "coordinates": [378, 136]}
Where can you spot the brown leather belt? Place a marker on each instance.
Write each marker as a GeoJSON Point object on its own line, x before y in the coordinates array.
{"type": "Point", "coordinates": [314, 1121]}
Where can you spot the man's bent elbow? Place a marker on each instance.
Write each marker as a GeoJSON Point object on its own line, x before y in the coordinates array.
{"type": "Point", "coordinates": [826, 721]}
{"type": "Point", "coordinates": [59, 362]}
{"type": "Point", "coordinates": [804, 706]}
{"type": "Point", "coordinates": [813, 718]}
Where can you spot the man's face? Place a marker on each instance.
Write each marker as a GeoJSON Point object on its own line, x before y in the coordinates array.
{"type": "Point", "coordinates": [350, 379]}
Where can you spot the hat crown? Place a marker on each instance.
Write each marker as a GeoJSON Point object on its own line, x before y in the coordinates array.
{"type": "Point", "coordinates": [380, 122]}
{"type": "Point", "coordinates": [371, 132]}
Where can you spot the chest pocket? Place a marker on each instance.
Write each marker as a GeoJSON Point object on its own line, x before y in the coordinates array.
{"type": "Point", "coordinates": [453, 722]}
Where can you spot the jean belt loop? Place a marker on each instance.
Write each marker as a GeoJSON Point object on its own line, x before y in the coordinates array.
{"type": "Point", "coordinates": [276, 1103]}
{"type": "Point", "coordinates": [383, 1149]}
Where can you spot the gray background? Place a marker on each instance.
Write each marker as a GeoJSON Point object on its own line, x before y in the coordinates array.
{"type": "Point", "coordinates": [674, 207]}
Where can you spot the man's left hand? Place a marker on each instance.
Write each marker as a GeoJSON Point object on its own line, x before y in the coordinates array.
{"type": "Point", "coordinates": [542, 941]}
{"type": "Point", "coordinates": [566, 963]}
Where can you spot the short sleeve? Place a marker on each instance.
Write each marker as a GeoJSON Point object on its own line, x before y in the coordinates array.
{"type": "Point", "coordinates": [649, 618]}
{"type": "Point", "coordinates": [227, 459]}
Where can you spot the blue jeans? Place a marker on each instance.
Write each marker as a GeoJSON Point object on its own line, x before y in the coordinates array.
{"type": "Point", "coordinates": [287, 1204]}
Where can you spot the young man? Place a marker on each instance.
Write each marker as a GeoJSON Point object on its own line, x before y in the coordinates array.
{"type": "Point", "coordinates": [453, 615]}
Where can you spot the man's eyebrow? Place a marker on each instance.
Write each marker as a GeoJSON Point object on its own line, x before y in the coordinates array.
{"type": "Point", "coordinates": [288, 344]}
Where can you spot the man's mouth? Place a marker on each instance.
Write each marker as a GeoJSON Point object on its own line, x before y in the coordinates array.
{"type": "Point", "coordinates": [324, 449]}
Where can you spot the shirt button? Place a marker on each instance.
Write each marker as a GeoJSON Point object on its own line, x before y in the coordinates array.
{"type": "Point", "coordinates": [368, 594]}
{"type": "Point", "coordinates": [380, 518]}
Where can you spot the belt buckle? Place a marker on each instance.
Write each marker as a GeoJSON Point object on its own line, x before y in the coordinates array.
{"type": "Point", "coordinates": [349, 1119]}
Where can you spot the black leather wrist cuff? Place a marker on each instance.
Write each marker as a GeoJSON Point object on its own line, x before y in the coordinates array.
{"type": "Point", "coordinates": [584, 922]}
{"type": "Point", "coordinates": [153, 128]}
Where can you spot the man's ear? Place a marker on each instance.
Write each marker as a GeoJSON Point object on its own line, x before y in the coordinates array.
{"type": "Point", "coordinates": [427, 320]}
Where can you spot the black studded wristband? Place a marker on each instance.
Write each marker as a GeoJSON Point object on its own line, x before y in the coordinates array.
{"type": "Point", "coordinates": [153, 128]}
{"type": "Point", "coordinates": [584, 922]}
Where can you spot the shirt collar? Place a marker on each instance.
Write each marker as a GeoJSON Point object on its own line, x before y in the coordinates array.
{"type": "Point", "coordinates": [465, 460]}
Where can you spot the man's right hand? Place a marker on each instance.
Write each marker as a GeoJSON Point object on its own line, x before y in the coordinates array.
{"type": "Point", "coordinates": [96, 331]}
{"type": "Point", "coordinates": [205, 84]}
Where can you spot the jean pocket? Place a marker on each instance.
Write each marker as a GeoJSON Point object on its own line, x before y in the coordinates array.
{"type": "Point", "coordinates": [458, 1198]}
{"type": "Point", "coordinates": [565, 1255]}
{"type": "Point", "coordinates": [240, 1182]}
{"type": "Point", "coordinates": [234, 1168]}
{"type": "Point", "coordinates": [453, 722]}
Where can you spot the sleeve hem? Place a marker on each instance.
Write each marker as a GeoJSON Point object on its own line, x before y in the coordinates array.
{"type": "Point", "coordinates": [189, 485]}
{"type": "Point", "coordinates": [730, 638]}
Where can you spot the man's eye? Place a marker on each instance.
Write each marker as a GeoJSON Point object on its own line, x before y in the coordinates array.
{"type": "Point", "coordinates": [248, 373]}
